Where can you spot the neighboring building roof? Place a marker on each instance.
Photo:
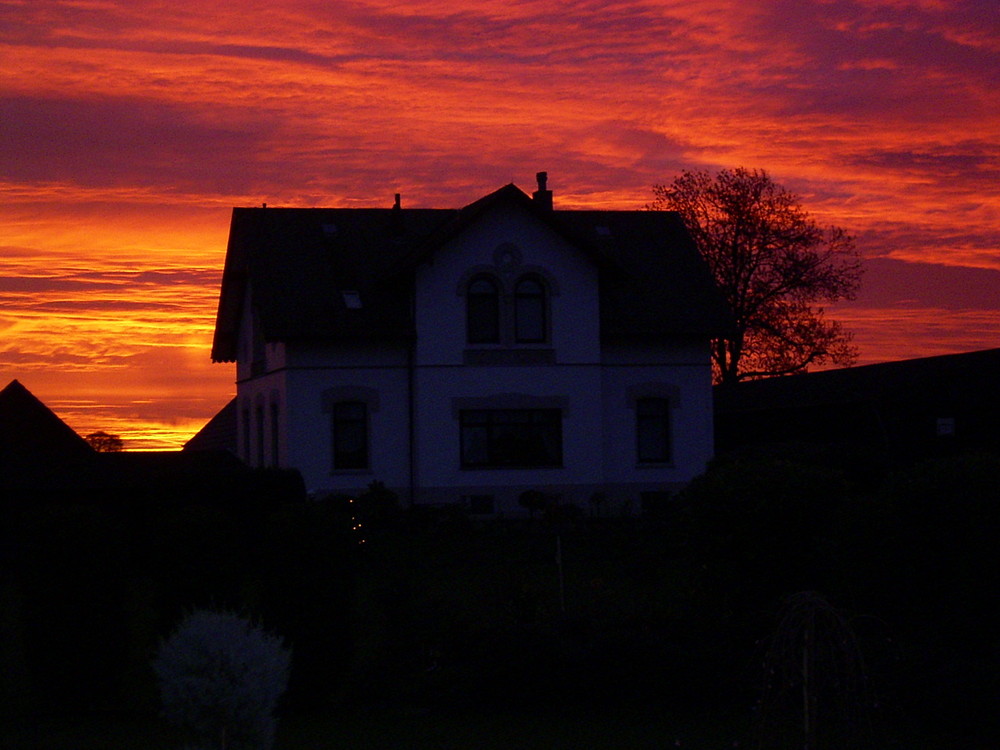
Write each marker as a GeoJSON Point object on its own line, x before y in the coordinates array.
{"type": "Point", "coordinates": [29, 430]}
{"type": "Point", "coordinates": [43, 460]}
{"type": "Point", "coordinates": [218, 434]}
{"type": "Point", "coordinates": [896, 404]}
{"type": "Point", "coordinates": [298, 261]}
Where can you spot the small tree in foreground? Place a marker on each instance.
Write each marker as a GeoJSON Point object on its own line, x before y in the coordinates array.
{"type": "Point", "coordinates": [220, 679]}
{"type": "Point", "coordinates": [775, 266]}
{"type": "Point", "coordinates": [816, 692]}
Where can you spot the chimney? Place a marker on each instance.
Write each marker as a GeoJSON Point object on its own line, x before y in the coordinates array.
{"type": "Point", "coordinates": [397, 217]}
{"type": "Point", "coordinates": [542, 196]}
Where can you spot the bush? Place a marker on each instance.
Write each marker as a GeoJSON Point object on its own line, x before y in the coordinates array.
{"type": "Point", "coordinates": [220, 680]}
{"type": "Point", "coordinates": [304, 591]}
{"type": "Point", "coordinates": [71, 578]}
{"type": "Point", "coordinates": [377, 507]}
{"type": "Point", "coordinates": [764, 526]}
{"type": "Point", "coordinates": [924, 564]}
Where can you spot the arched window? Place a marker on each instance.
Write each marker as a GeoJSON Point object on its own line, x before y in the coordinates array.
{"type": "Point", "coordinates": [482, 310]}
{"type": "Point", "coordinates": [529, 311]}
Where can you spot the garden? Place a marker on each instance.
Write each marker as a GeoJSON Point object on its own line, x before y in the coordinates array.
{"type": "Point", "coordinates": [776, 603]}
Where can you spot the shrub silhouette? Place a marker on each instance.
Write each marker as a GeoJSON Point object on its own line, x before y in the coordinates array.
{"type": "Point", "coordinates": [220, 680]}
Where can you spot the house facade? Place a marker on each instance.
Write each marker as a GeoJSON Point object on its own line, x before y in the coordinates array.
{"type": "Point", "coordinates": [468, 356]}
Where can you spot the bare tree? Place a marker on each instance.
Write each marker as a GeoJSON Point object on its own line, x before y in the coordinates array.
{"type": "Point", "coordinates": [103, 442]}
{"type": "Point", "coordinates": [775, 266]}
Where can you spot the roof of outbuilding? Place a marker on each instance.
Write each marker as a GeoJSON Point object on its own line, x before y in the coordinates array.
{"type": "Point", "coordinates": [29, 430]}
{"type": "Point", "coordinates": [218, 434]}
{"type": "Point", "coordinates": [967, 376]}
{"type": "Point", "coordinates": [299, 261]}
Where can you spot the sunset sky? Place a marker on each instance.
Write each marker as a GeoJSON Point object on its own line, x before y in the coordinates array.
{"type": "Point", "coordinates": [129, 130]}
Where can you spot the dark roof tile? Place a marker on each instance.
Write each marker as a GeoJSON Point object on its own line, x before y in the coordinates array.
{"type": "Point", "coordinates": [218, 434]}
{"type": "Point", "coordinates": [29, 430]}
{"type": "Point", "coordinates": [300, 260]}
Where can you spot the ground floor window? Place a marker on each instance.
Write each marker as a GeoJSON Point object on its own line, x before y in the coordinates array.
{"type": "Point", "coordinates": [511, 438]}
{"type": "Point", "coordinates": [652, 429]}
{"type": "Point", "coordinates": [350, 435]}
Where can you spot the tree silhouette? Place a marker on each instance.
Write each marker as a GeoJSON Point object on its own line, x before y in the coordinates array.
{"type": "Point", "coordinates": [775, 266]}
{"type": "Point", "coordinates": [103, 442]}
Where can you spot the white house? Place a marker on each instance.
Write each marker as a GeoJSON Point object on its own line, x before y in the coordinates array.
{"type": "Point", "coordinates": [469, 355]}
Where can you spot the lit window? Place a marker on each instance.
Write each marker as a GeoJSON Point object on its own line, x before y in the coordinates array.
{"type": "Point", "coordinates": [529, 311]}
{"type": "Point", "coordinates": [511, 438]}
{"type": "Point", "coordinates": [350, 435]}
{"type": "Point", "coordinates": [652, 429]}
{"type": "Point", "coordinates": [482, 306]}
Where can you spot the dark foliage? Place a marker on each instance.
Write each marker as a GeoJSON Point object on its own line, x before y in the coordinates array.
{"type": "Point", "coordinates": [921, 557]}
{"type": "Point", "coordinates": [73, 590]}
{"type": "Point", "coordinates": [104, 442]}
{"type": "Point", "coordinates": [774, 265]}
{"type": "Point", "coordinates": [439, 612]}
{"type": "Point", "coordinates": [91, 583]}
{"type": "Point", "coordinates": [376, 508]}
{"type": "Point", "coordinates": [760, 529]}
{"type": "Point", "coordinates": [304, 587]}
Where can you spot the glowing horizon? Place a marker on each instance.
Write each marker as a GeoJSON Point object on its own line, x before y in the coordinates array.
{"type": "Point", "coordinates": [129, 133]}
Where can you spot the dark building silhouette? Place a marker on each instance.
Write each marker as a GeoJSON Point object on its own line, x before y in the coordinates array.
{"type": "Point", "coordinates": [899, 411]}
{"type": "Point", "coordinates": [219, 434]}
{"type": "Point", "coordinates": [466, 356]}
{"type": "Point", "coordinates": [29, 430]}
{"type": "Point", "coordinates": [42, 460]}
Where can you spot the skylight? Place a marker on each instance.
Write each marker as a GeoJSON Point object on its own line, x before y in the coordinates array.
{"type": "Point", "coordinates": [352, 300]}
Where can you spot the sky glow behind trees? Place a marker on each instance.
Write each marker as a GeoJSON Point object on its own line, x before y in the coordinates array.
{"type": "Point", "coordinates": [128, 131]}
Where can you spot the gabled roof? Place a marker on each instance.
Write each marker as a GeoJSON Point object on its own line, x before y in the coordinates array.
{"type": "Point", "coordinates": [298, 262]}
{"type": "Point", "coordinates": [30, 431]}
{"type": "Point", "coordinates": [218, 434]}
{"type": "Point", "coordinates": [660, 286]}
{"type": "Point", "coordinates": [509, 195]}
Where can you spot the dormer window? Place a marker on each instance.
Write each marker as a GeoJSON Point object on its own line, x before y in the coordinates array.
{"type": "Point", "coordinates": [529, 311]}
{"type": "Point", "coordinates": [482, 307]}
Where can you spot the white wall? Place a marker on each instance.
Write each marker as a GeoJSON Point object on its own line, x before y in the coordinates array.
{"type": "Point", "coordinates": [594, 387]}
{"type": "Point", "coordinates": [442, 377]}
{"type": "Point", "coordinates": [575, 322]}
{"type": "Point", "coordinates": [381, 371]}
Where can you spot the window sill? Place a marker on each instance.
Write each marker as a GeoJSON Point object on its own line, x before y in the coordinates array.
{"type": "Point", "coordinates": [512, 468]}
{"type": "Point", "coordinates": [528, 355]}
